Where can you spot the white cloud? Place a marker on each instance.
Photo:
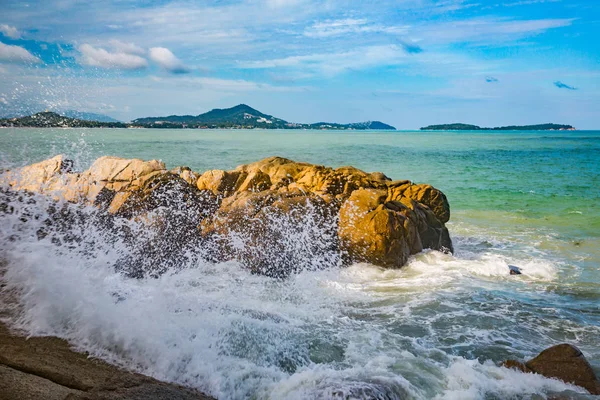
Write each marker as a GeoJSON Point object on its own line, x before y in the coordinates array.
{"type": "Point", "coordinates": [328, 28]}
{"type": "Point", "coordinates": [99, 57]}
{"type": "Point", "coordinates": [10, 31]}
{"type": "Point", "coordinates": [284, 3]}
{"type": "Point", "coordinates": [487, 29]}
{"type": "Point", "coordinates": [167, 60]}
{"type": "Point", "coordinates": [128, 48]}
{"type": "Point", "coordinates": [241, 85]}
{"type": "Point", "coordinates": [16, 54]}
{"type": "Point", "coordinates": [334, 63]}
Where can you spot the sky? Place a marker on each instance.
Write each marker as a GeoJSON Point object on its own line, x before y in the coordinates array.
{"type": "Point", "coordinates": [409, 63]}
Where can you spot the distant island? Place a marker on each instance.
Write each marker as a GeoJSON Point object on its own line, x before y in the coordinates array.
{"type": "Point", "coordinates": [238, 117]}
{"type": "Point", "coordinates": [243, 116]}
{"type": "Point", "coordinates": [48, 119]}
{"type": "Point", "coordinates": [467, 127]}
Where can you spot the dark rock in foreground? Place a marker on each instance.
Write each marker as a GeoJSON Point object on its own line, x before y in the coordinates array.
{"type": "Point", "coordinates": [564, 362]}
{"type": "Point", "coordinates": [46, 368]}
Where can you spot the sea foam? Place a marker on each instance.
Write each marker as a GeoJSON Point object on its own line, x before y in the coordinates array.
{"type": "Point", "coordinates": [358, 332]}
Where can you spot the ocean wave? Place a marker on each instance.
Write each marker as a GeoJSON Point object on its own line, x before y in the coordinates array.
{"type": "Point", "coordinates": [434, 329]}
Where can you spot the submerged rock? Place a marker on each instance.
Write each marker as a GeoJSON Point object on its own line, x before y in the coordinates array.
{"type": "Point", "coordinates": [274, 215]}
{"type": "Point", "coordinates": [564, 362]}
{"type": "Point", "coordinates": [514, 270]}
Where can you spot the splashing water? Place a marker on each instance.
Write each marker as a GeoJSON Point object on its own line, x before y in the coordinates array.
{"type": "Point", "coordinates": [434, 329]}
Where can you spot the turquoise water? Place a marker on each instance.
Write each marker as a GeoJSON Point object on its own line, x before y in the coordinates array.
{"type": "Point", "coordinates": [434, 329]}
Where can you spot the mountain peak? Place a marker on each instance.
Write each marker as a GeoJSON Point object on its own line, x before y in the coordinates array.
{"type": "Point", "coordinates": [244, 116]}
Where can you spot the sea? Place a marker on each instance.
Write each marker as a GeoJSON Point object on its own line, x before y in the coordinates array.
{"type": "Point", "coordinates": [437, 328]}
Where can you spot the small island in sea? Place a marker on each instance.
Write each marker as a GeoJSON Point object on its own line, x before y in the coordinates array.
{"type": "Point", "coordinates": [239, 117]}
{"type": "Point", "coordinates": [468, 127]}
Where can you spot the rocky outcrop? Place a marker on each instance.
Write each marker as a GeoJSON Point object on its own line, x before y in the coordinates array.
{"type": "Point", "coordinates": [564, 362]}
{"type": "Point", "coordinates": [267, 214]}
{"type": "Point", "coordinates": [274, 232]}
{"type": "Point", "coordinates": [46, 368]}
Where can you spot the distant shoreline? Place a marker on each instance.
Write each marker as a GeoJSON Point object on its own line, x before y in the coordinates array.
{"type": "Point", "coordinates": [416, 130]}
{"type": "Point", "coordinates": [238, 117]}
{"type": "Point", "coordinates": [469, 127]}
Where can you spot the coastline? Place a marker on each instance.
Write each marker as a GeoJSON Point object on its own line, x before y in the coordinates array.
{"type": "Point", "coordinates": [481, 277]}
{"type": "Point", "coordinates": [47, 367]}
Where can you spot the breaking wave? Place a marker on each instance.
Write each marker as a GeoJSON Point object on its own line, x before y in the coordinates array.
{"type": "Point", "coordinates": [132, 293]}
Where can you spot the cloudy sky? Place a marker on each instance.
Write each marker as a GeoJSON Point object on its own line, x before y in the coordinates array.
{"type": "Point", "coordinates": [405, 62]}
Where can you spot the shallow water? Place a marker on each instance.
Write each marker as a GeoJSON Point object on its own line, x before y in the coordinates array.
{"type": "Point", "coordinates": [434, 329]}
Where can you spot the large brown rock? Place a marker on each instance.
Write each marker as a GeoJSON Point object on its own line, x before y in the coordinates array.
{"type": "Point", "coordinates": [274, 232]}
{"type": "Point", "coordinates": [122, 185]}
{"type": "Point", "coordinates": [564, 362]}
{"type": "Point", "coordinates": [567, 363]}
{"type": "Point", "coordinates": [371, 231]}
{"type": "Point", "coordinates": [47, 176]}
{"type": "Point", "coordinates": [432, 198]}
{"type": "Point", "coordinates": [385, 233]}
{"type": "Point", "coordinates": [285, 174]}
{"type": "Point", "coordinates": [261, 213]}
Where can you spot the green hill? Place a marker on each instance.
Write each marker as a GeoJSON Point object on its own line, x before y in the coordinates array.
{"type": "Point", "coordinates": [240, 116]}
{"type": "Point", "coordinates": [49, 119]}
{"type": "Point", "coordinates": [467, 127]}
{"type": "Point", "coordinates": [244, 116]}
{"type": "Point", "coordinates": [451, 127]}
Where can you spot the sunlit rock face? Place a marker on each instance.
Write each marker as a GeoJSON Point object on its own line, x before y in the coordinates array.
{"type": "Point", "coordinates": [275, 216]}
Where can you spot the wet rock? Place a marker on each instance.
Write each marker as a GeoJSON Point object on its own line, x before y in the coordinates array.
{"type": "Point", "coordinates": [371, 232]}
{"type": "Point", "coordinates": [222, 183]}
{"type": "Point", "coordinates": [186, 174]}
{"type": "Point", "coordinates": [274, 215]}
{"type": "Point", "coordinates": [432, 198]}
{"type": "Point", "coordinates": [567, 363]}
{"type": "Point", "coordinates": [385, 233]}
{"type": "Point", "coordinates": [564, 362]}
{"type": "Point", "coordinates": [46, 368]}
{"type": "Point", "coordinates": [38, 177]}
{"type": "Point", "coordinates": [514, 364]}
{"type": "Point", "coordinates": [514, 270]}
{"type": "Point", "coordinates": [274, 233]}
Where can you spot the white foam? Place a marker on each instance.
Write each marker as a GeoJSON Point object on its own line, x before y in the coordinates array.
{"type": "Point", "coordinates": [470, 380]}
{"type": "Point", "coordinates": [357, 331]}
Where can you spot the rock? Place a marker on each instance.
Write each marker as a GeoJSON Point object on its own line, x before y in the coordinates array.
{"type": "Point", "coordinates": [46, 368]}
{"type": "Point", "coordinates": [564, 362]}
{"type": "Point", "coordinates": [432, 198]}
{"type": "Point", "coordinates": [567, 363]}
{"type": "Point", "coordinates": [514, 364]}
{"type": "Point", "coordinates": [371, 232]}
{"type": "Point", "coordinates": [168, 208]}
{"type": "Point", "coordinates": [256, 181]}
{"type": "Point", "coordinates": [385, 233]}
{"type": "Point", "coordinates": [274, 233]}
{"type": "Point", "coordinates": [514, 270]}
{"type": "Point", "coordinates": [106, 173]}
{"type": "Point", "coordinates": [219, 182]}
{"type": "Point", "coordinates": [186, 174]}
{"type": "Point", "coordinates": [323, 181]}
{"type": "Point", "coordinates": [39, 177]}
{"type": "Point", "coordinates": [274, 215]}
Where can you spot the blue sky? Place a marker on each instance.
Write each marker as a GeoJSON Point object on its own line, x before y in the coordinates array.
{"type": "Point", "coordinates": [406, 62]}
